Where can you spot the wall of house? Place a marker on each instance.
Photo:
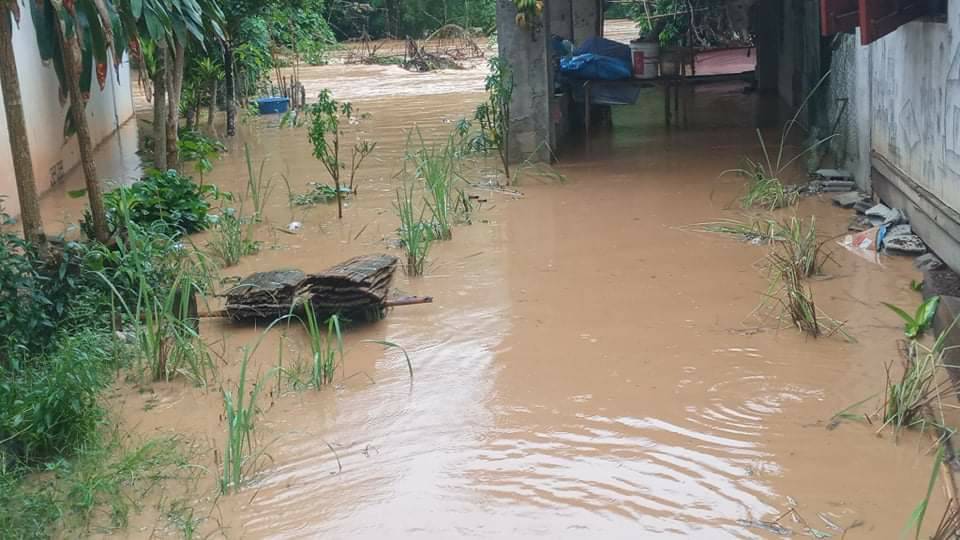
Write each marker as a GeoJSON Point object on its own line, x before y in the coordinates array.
{"type": "Point", "coordinates": [52, 155]}
{"type": "Point", "coordinates": [915, 92]}
{"type": "Point", "coordinates": [901, 137]}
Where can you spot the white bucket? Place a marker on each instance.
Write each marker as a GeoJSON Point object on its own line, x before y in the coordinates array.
{"type": "Point", "coordinates": [646, 59]}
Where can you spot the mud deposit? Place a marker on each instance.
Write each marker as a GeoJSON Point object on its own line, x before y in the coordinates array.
{"type": "Point", "coordinates": [588, 369]}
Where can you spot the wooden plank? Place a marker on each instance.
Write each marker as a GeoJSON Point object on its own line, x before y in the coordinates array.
{"type": "Point", "coordinates": [837, 16]}
{"type": "Point", "coordinates": [880, 17]}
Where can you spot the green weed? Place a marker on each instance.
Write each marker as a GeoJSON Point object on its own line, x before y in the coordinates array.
{"type": "Point", "coordinates": [765, 191]}
{"type": "Point", "coordinates": [416, 236]}
{"type": "Point", "coordinates": [98, 490]}
{"type": "Point", "coordinates": [765, 187]}
{"type": "Point", "coordinates": [326, 349]}
{"type": "Point", "coordinates": [920, 512]}
{"type": "Point", "coordinates": [240, 411]}
{"type": "Point", "coordinates": [756, 231]}
{"type": "Point", "coordinates": [318, 194]}
{"type": "Point", "coordinates": [789, 265]}
{"type": "Point", "coordinates": [493, 115]}
{"type": "Point", "coordinates": [391, 345]}
{"type": "Point", "coordinates": [436, 166]}
{"type": "Point", "coordinates": [232, 238]}
{"type": "Point", "coordinates": [917, 324]}
{"type": "Point", "coordinates": [907, 401]}
{"type": "Point", "coordinates": [259, 186]}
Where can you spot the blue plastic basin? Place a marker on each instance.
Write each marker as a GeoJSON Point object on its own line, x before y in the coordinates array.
{"type": "Point", "coordinates": [273, 105]}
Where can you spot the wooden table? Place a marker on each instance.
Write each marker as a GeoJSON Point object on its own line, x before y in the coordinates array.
{"type": "Point", "coordinates": [674, 106]}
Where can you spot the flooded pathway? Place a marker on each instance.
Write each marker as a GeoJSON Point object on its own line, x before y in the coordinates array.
{"type": "Point", "coordinates": [588, 369]}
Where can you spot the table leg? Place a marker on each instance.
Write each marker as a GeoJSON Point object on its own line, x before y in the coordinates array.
{"type": "Point", "coordinates": [586, 111]}
{"type": "Point", "coordinates": [666, 103]}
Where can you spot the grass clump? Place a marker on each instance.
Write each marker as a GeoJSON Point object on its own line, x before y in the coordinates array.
{"type": "Point", "coordinates": [326, 348]}
{"type": "Point", "coordinates": [756, 231]}
{"type": "Point", "coordinates": [908, 401]}
{"type": "Point", "coordinates": [800, 245]}
{"type": "Point", "coordinates": [765, 191]}
{"type": "Point", "coordinates": [416, 235]}
{"type": "Point", "coordinates": [240, 412]}
{"type": "Point", "coordinates": [493, 115]}
{"type": "Point", "coordinates": [259, 186]}
{"type": "Point", "coordinates": [436, 165]}
{"type": "Point", "coordinates": [95, 492]}
{"type": "Point", "coordinates": [155, 281]}
{"type": "Point", "coordinates": [765, 188]}
{"type": "Point", "coordinates": [797, 255]}
{"type": "Point", "coordinates": [318, 194]}
{"type": "Point", "coordinates": [232, 238]}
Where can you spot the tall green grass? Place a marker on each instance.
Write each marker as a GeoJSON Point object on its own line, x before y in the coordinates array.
{"type": "Point", "coordinates": [326, 349]}
{"type": "Point", "coordinates": [437, 166]}
{"type": "Point", "coordinates": [259, 186]}
{"type": "Point", "coordinates": [798, 254]}
{"type": "Point", "coordinates": [158, 305]}
{"type": "Point", "coordinates": [765, 187]}
{"type": "Point", "coordinates": [240, 412]}
{"type": "Point", "coordinates": [232, 238]}
{"type": "Point", "coordinates": [912, 401]}
{"type": "Point", "coordinates": [416, 235]}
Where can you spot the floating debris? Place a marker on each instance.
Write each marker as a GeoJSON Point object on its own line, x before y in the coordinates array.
{"type": "Point", "coordinates": [823, 517]}
{"type": "Point", "coordinates": [849, 199]}
{"type": "Point", "coordinates": [769, 526]}
{"type": "Point", "coordinates": [905, 245]}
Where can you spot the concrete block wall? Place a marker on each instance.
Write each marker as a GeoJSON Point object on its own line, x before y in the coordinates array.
{"type": "Point", "coordinates": [527, 53]}
{"type": "Point", "coordinates": [52, 155]}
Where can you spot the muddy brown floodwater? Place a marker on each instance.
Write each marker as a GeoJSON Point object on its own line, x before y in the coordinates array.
{"type": "Point", "coordinates": [588, 369]}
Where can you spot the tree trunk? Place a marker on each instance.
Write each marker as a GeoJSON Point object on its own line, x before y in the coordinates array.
{"type": "Point", "coordinates": [71, 68]}
{"type": "Point", "coordinates": [174, 91]}
{"type": "Point", "coordinates": [160, 111]}
{"type": "Point", "coordinates": [393, 18]}
{"type": "Point", "coordinates": [231, 82]}
{"type": "Point", "coordinates": [212, 111]}
{"type": "Point", "coordinates": [17, 131]}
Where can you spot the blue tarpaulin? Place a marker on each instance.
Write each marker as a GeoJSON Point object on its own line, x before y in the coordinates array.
{"type": "Point", "coordinates": [594, 67]}
{"type": "Point", "coordinates": [605, 47]}
{"type": "Point", "coordinates": [598, 59]}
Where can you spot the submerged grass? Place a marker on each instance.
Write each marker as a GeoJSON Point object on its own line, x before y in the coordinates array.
{"type": "Point", "coordinates": [325, 349]}
{"type": "Point", "coordinates": [416, 235]}
{"type": "Point", "coordinates": [259, 186]}
{"type": "Point", "coordinates": [232, 238]}
{"type": "Point", "coordinates": [909, 401]}
{"type": "Point", "coordinates": [438, 167]}
{"type": "Point", "coordinates": [802, 247]}
{"type": "Point", "coordinates": [97, 491]}
{"type": "Point", "coordinates": [919, 513]}
{"type": "Point", "coordinates": [756, 231]}
{"type": "Point", "coordinates": [797, 255]}
{"type": "Point", "coordinates": [162, 314]}
{"type": "Point", "coordinates": [240, 411]}
{"type": "Point", "coordinates": [765, 187]}
{"type": "Point", "coordinates": [765, 191]}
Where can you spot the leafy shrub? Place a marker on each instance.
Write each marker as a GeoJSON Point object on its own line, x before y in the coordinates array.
{"type": "Point", "coordinates": [35, 296]}
{"type": "Point", "coordinates": [50, 409]}
{"type": "Point", "coordinates": [200, 149]}
{"type": "Point", "coordinates": [167, 197]}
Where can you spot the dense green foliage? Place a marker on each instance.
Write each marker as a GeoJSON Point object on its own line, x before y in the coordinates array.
{"type": "Point", "coordinates": [413, 18]}
{"type": "Point", "coordinates": [162, 196]}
